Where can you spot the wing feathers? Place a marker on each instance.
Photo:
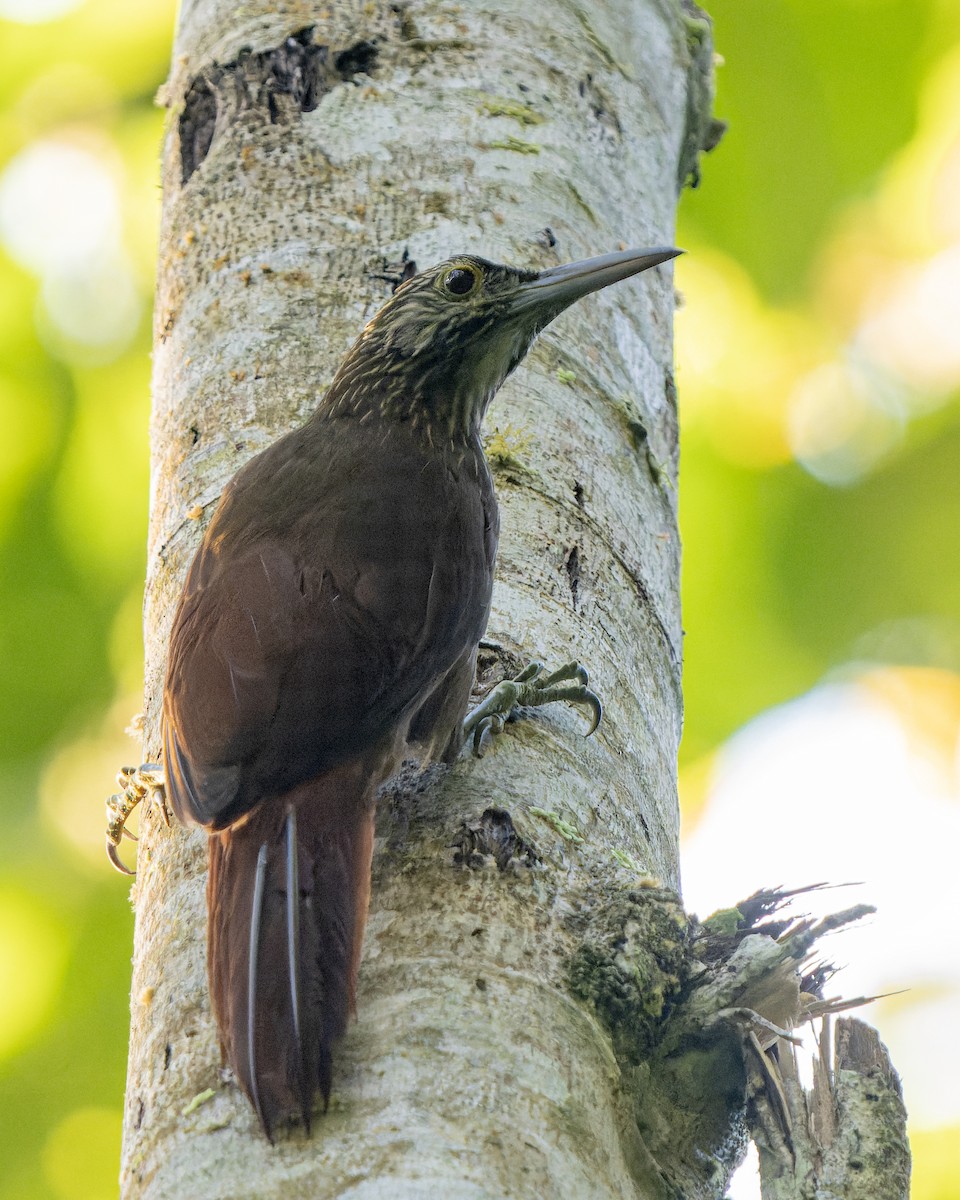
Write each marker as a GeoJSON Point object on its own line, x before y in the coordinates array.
{"type": "Point", "coordinates": [306, 629]}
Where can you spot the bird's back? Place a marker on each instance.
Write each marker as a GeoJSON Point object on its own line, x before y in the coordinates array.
{"type": "Point", "coordinates": [346, 569]}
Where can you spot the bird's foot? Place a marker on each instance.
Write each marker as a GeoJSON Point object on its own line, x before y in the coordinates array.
{"type": "Point", "coordinates": [136, 783]}
{"type": "Point", "coordinates": [531, 687]}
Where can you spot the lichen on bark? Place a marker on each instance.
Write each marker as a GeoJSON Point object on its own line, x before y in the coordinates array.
{"type": "Point", "coordinates": [693, 1009]}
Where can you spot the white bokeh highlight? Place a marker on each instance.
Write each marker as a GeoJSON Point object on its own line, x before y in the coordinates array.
{"type": "Point", "coordinates": [60, 218]}
{"type": "Point", "coordinates": [36, 12]}
{"type": "Point", "coordinates": [828, 788]}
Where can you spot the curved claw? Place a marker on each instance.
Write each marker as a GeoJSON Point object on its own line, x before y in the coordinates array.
{"type": "Point", "coordinates": [137, 784]}
{"type": "Point", "coordinates": [531, 688]}
{"type": "Point", "coordinates": [479, 730]}
{"type": "Point", "coordinates": [493, 723]}
{"type": "Point", "coordinates": [592, 700]}
{"type": "Point", "coordinates": [116, 860]}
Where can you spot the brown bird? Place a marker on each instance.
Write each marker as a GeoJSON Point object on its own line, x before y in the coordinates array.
{"type": "Point", "coordinates": [328, 630]}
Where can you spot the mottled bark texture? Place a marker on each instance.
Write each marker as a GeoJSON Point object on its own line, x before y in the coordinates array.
{"type": "Point", "coordinates": [846, 1136]}
{"type": "Point", "coordinates": [526, 954]}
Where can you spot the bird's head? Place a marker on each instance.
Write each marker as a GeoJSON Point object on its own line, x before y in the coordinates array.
{"type": "Point", "coordinates": [439, 349]}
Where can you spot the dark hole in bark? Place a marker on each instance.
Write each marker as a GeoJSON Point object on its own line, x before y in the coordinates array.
{"type": "Point", "coordinates": [289, 79]}
{"type": "Point", "coordinates": [572, 565]}
{"type": "Point", "coordinates": [492, 835]}
{"type": "Point", "coordinates": [356, 60]}
{"type": "Point", "coordinates": [294, 70]}
{"type": "Point", "coordinates": [197, 123]}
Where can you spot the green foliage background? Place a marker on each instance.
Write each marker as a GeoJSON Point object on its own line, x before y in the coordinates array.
{"type": "Point", "coordinates": [805, 211]}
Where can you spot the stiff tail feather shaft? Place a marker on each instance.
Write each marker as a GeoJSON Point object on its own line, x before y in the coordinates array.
{"type": "Point", "coordinates": [253, 965]}
{"type": "Point", "coordinates": [287, 893]}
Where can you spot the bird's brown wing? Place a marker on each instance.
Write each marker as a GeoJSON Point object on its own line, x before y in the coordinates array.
{"type": "Point", "coordinates": [303, 638]}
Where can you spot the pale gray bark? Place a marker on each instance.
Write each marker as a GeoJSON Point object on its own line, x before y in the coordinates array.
{"type": "Point", "coordinates": [478, 1066]}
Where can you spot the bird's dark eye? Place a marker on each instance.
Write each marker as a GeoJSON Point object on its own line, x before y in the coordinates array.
{"type": "Point", "coordinates": [461, 281]}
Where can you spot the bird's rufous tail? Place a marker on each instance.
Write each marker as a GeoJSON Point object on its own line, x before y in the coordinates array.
{"type": "Point", "coordinates": [287, 898]}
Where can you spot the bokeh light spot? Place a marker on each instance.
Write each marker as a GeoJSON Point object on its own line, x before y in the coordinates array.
{"type": "Point", "coordinates": [838, 774]}
{"type": "Point", "coordinates": [58, 206]}
{"type": "Point", "coordinates": [737, 360]}
{"type": "Point", "coordinates": [916, 334]}
{"type": "Point", "coordinates": [32, 959]}
{"type": "Point", "coordinates": [926, 702]}
{"type": "Point", "coordinates": [82, 772]}
{"type": "Point", "coordinates": [917, 206]}
{"type": "Point", "coordinates": [35, 12]}
{"type": "Point", "coordinates": [55, 96]}
{"type": "Point", "coordinates": [81, 1156]}
{"type": "Point", "coordinates": [844, 417]}
{"type": "Point", "coordinates": [60, 217]}
{"type": "Point", "coordinates": [95, 310]}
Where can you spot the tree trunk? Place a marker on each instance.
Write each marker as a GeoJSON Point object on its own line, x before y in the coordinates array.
{"type": "Point", "coordinates": [506, 1018]}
